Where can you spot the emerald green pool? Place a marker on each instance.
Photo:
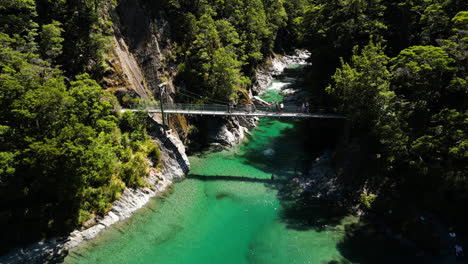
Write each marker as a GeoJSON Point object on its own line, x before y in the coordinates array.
{"type": "Point", "coordinates": [226, 212]}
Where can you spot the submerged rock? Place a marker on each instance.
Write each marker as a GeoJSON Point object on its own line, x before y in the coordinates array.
{"type": "Point", "coordinates": [323, 181]}
{"type": "Point", "coordinates": [269, 152]}
{"type": "Point", "coordinates": [222, 196]}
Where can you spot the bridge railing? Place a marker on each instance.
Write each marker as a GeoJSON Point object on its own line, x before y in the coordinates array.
{"type": "Point", "coordinates": [240, 108]}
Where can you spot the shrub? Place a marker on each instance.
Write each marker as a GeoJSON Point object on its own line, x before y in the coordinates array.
{"type": "Point", "coordinates": [154, 154]}
{"type": "Point", "coordinates": [133, 172]}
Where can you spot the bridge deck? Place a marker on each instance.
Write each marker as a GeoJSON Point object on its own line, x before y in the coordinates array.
{"type": "Point", "coordinates": [247, 114]}
{"type": "Point", "coordinates": [240, 113]}
{"type": "Point", "coordinates": [222, 110]}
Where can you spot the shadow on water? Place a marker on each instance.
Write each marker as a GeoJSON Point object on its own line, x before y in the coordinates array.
{"type": "Point", "coordinates": [232, 178]}
{"type": "Point", "coordinates": [292, 75]}
{"type": "Point", "coordinates": [308, 213]}
{"type": "Point", "coordinates": [281, 155]}
{"type": "Point", "coordinates": [291, 157]}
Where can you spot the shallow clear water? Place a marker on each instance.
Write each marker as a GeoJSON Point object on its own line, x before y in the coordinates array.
{"type": "Point", "coordinates": [227, 211]}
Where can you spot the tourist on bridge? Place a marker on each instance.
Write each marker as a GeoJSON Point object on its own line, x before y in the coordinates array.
{"type": "Point", "coordinates": [248, 107]}
{"type": "Point", "coordinates": [281, 107]}
{"type": "Point", "coordinates": [230, 107]}
{"type": "Point", "coordinates": [458, 251]}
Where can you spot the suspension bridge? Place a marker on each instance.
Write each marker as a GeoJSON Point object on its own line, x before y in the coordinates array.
{"type": "Point", "coordinates": [239, 110]}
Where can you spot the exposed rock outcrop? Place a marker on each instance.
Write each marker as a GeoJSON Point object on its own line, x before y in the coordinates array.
{"type": "Point", "coordinates": [149, 40]}
{"type": "Point", "coordinates": [275, 66]}
{"type": "Point", "coordinates": [222, 131]}
{"type": "Point", "coordinates": [319, 180]}
{"type": "Point", "coordinates": [126, 74]}
{"type": "Point", "coordinates": [323, 178]}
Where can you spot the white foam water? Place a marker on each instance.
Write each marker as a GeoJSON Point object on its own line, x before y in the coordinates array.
{"type": "Point", "coordinates": [277, 86]}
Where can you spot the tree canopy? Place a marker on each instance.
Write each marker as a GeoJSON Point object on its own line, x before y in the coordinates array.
{"type": "Point", "coordinates": [65, 153]}
{"type": "Point", "coordinates": [406, 100]}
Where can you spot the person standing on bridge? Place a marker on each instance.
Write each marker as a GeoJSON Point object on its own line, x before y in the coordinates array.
{"type": "Point", "coordinates": [281, 107]}
{"type": "Point", "coordinates": [230, 107]}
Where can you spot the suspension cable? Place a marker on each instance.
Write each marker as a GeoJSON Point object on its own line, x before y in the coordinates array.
{"type": "Point", "coordinates": [201, 97]}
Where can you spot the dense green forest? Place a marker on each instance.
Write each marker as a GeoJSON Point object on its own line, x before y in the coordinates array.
{"type": "Point", "coordinates": [65, 153]}
{"type": "Point", "coordinates": [221, 43]}
{"type": "Point", "coordinates": [397, 69]}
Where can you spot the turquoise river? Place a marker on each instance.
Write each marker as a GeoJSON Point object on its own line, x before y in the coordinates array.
{"type": "Point", "coordinates": [226, 211]}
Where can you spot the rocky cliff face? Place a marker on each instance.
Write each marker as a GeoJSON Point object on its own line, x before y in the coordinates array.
{"type": "Point", "coordinates": [149, 40]}
{"type": "Point", "coordinates": [142, 55]}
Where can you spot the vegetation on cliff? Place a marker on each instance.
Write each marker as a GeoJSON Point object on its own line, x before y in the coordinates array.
{"type": "Point", "coordinates": [65, 152]}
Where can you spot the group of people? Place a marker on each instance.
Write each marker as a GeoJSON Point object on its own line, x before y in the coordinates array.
{"type": "Point", "coordinates": [279, 107]}
{"type": "Point", "coordinates": [305, 108]}
{"type": "Point", "coordinates": [276, 106]}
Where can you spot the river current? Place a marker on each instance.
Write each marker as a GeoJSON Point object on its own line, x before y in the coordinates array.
{"type": "Point", "coordinates": [227, 211]}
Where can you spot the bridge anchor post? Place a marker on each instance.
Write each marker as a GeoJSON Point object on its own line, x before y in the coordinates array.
{"type": "Point", "coordinates": [162, 90]}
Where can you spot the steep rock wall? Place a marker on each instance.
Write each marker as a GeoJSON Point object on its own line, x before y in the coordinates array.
{"type": "Point", "coordinates": [148, 39]}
